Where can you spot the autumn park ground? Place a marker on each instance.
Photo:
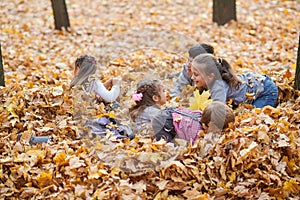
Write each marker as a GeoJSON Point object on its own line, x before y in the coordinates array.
{"type": "Point", "coordinates": [258, 159]}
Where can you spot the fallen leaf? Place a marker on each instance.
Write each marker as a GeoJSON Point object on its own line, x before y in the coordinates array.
{"type": "Point", "coordinates": [199, 102]}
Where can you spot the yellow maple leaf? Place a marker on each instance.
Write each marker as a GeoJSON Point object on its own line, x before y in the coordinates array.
{"type": "Point", "coordinates": [200, 101]}
{"type": "Point", "coordinates": [109, 115]}
{"type": "Point", "coordinates": [60, 158]}
{"type": "Point", "coordinates": [44, 179]}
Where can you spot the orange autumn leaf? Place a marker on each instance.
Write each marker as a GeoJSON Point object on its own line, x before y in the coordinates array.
{"type": "Point", "coordinates": [257, 158]}
{"type": "Point", "coordinates": [60, 159]}
{"type": "Point", "coordinates": [44, 179]}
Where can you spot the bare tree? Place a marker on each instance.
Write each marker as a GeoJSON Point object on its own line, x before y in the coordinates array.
{"type": "Point", "coordinates": [61, 17]}
{"type": "Point", "coordinates": [224, 11]}
{"type": "Point", "coordinates": [2, 81]}
{"type": "Point", "coordinates": [297, 75]}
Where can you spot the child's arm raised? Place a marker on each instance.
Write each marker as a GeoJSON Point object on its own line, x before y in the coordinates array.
{"type": "Point", "coordinates": [107, 95]}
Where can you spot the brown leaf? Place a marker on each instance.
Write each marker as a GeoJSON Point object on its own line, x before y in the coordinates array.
{"type": "Point", "coordinates": [195, 194]}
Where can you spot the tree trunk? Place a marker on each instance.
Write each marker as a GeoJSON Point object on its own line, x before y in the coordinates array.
{"type": "Point", "coordinates": [61, 17]}
{"type": "Point", "coordinates": [224, 11]}
{"type": "Point", "coordinates": [297, 75]}
{"type": "Point", "coordinates": [2, 81]}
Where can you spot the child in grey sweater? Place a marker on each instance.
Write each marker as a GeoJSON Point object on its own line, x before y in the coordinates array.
{"type": "Point", "coordinates": [148, 97]}
{"type": "Point", "coordinates": [186, 74]}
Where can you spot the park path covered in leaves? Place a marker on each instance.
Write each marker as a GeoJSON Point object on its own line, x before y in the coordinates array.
{"type": "Point", "coordinates": [259, 159]}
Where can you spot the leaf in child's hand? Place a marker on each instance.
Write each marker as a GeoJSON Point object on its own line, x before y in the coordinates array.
{"type": "Point", "coordinates": [200, 101]}
{"type": "Point", "coordinates": [109, 115]}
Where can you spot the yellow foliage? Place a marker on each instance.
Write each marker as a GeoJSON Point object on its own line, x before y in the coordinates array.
{"type": "Point", "coordinates": [291, 186]}
{"type": "Point", "coordinates": [11, 108]}
{"type": "Point", "coordinates": [60, 158]}
{"type": "Point", "coordinates": [293, 66]}
{"type": "Point", "coordinates": [232, 176]}
{"type": "Point", "coordinates": [39, 63]}
{"type": "Point", "coordinates": [200, 101]}
{"type": "Point", "coordinates": [44, 179]}
{"type": "Point", "coordinates": [109, 115]}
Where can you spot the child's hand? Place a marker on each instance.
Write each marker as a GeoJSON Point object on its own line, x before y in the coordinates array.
{"type": "Point", "coordinates": [116, 81]}
{"type": "Point", "coordinates": [108, 83]}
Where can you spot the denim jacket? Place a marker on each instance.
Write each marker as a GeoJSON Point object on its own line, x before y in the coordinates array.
{"type": "Point", "coordinates": [252, 83]}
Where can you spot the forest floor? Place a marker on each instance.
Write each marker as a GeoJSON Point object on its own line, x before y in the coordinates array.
{"type": "Point", "coordinates": [258, 159]}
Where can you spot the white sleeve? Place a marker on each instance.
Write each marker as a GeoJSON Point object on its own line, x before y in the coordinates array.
{"type": "Point", "coordinates": [106, 95]}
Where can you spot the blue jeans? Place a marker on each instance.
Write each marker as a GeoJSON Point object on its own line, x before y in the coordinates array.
{"type": "Point", "coordinates": [269, 96]}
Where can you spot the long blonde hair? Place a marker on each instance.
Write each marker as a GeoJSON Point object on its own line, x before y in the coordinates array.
{"type": "Point", "coordinates": [87, 67]}
{"type": "Point", "coordinates": [209, 64]}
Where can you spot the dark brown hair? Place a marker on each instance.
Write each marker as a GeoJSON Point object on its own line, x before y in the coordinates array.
{"type": "Point", "coordinates": [148, 88]}
{"type": "Point", "coordinates": [200, 49]}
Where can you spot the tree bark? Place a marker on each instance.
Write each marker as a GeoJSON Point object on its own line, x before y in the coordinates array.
{"type": "Point", "coordinates": [61, 17]}
{"type": "Point", "coordinates": [224, 11]}
{"type": "Point", "coordinates": [2, 81]}
{"type": "Point", "coordinates": [297, 74]}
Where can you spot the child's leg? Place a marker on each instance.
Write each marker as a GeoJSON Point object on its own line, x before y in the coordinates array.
{"type": "Point", "coordinates": [269, 96]}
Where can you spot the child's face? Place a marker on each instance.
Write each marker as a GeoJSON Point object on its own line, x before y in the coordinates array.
{"type": "Point", "coordinates": [162, 96]}
{"type": "Point", "coordinates": [189, 65]}
{"type": "Point", "coordinates": [200, 79]}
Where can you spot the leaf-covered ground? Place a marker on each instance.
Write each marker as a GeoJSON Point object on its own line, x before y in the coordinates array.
{"type": "Point", "coordinates": [259, 159]}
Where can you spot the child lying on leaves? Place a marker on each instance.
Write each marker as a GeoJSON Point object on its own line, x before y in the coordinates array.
{"type": "Point", "coordinates": [185, 124]}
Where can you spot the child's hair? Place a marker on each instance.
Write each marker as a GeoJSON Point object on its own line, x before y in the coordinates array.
{"type": "Point", "coordinates": [200, 49]}
{"type": "Point", "coordinates": [209, 64]}
{"type": "Point", "coordinates": [219, 114]}
{"type": "Point", "coordinates": [146, 89]}
{"type": "Point", "coordinates": [87, 66]}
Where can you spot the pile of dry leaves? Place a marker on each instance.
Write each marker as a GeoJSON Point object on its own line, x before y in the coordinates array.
{"type": "Point", "coordinates": [259, 158]}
